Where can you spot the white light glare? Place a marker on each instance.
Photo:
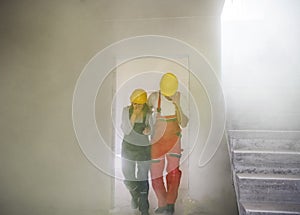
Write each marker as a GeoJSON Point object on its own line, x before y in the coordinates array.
{"type": "Point", "coordinates": [243, 10]}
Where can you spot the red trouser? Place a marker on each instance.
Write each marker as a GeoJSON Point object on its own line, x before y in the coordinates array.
{"type": "Point", "coordinates": [166, 146]}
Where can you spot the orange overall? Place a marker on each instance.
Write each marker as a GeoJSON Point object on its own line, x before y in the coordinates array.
{"type": "Point", "coordinates": [166, 146]}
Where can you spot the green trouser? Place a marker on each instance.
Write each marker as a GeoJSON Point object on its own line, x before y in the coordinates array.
{"type": "Point", "coordinates": [136, 165]}
{"type": "Point", "coordinates": [136, 180]}
{"type": "Point", "coordinates": [139, 191]}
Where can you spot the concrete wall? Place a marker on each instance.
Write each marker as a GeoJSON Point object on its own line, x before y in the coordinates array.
{"type": "Point", "coordinates": [261, 67]}
{"type": "Point", "coordinates": [44, 47]}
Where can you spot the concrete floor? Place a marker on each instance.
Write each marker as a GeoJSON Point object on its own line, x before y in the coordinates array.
{"type": "Point", "coordinates": [184, 204]}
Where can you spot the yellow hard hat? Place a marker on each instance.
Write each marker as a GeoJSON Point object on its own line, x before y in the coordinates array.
{"type": "Point", "coordinates": [138, 96]}
{"type": "Point", "coordinates": [168, 84]}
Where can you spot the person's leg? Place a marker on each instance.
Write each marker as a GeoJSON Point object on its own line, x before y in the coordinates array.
{"type": "Point", "coordinates": [173, 181]}
{"type": "Point", "coordinates": [157, 168]}
{"type": "Point", "coordinates": [142, 176]}
{"type": "Point", "coordinates": [173, 176]}
{"type": "Point", "coordinates": [128, 169]}
{"type": "Point", "coordinates": [143, 168]}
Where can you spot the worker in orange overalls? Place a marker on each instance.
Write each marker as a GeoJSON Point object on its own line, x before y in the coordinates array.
{"type": "Point", "coordinates": [166, 142]}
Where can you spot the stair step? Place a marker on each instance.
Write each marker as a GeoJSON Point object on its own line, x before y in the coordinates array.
{"type": "Point", "coordinates": [266, 169]}
{"type": "Point", "coordinates": [268, 177]}
{"type": "Point", "coordinates": [270, 208]}
{"type": "Point", "coordinates": [264, 134]}
{"type": "Point", "coordinates": [266, 152]}
{"type": "Point", "coordinates": [268, 188]}
{"type": "Point", "coordinates": [266, 144]}
{"type": "Point", "coordinates": [265, 140]}
{"type": "Point", "coordinates": [266, 162]}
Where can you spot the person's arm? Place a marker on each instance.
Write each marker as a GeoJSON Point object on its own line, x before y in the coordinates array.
{"type": "Point", "coordinates": [148, 122]}
{"type": "Point", "coordinates": [126, 125]}
{"type": "Point", "coordinates": [151, 100]}
{"type": "Point", "coordinates": [182, 118]}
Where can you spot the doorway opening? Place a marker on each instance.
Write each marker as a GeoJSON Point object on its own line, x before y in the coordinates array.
{"type": "Point", "coordinates": [146, 73]}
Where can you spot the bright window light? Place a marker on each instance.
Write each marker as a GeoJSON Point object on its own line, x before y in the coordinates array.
{"type": "Point", "coordinates": [243, 10]}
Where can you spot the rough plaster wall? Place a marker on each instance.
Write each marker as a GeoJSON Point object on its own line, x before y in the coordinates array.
{"type": "Point", "coordinates": [44, 47]}
{"type": "Point", "coordinates": [211, 188]}
{"type": "Point", "coordinates": [261, 68]}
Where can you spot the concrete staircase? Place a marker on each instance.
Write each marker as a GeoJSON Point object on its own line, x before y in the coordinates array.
{"type": "Point", "coordinates": [266, 171]}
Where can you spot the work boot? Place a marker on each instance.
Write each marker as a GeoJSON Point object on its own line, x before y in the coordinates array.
{"type": "Point", "coordinates": [170, 209]}
{"type": "Point", "coordinates": [160, 210]}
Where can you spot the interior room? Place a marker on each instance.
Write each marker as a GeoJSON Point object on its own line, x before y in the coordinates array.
{"type": "Point", "coordinates": [67, 69]}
